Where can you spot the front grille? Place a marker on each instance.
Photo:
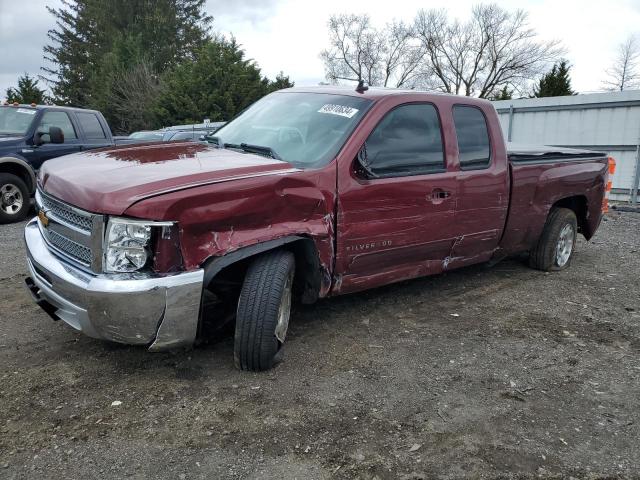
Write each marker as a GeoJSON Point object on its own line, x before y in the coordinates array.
{"type": "Point", "coordinates": [64, 212]}
{"type": "Point", "coordinates": [72, 233]}
{"type": "Point", "coordinates": [76, 251]}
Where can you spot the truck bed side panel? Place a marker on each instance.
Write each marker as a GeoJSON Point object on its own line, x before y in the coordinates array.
{"type": "Point", "coordinates": [538, 185]}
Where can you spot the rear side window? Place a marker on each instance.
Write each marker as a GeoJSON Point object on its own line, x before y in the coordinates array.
{"type": "Point", "coordinates": [473, 137]}
{"type": "Point", "coordinates": [407, 141]}
{"type": "Point", "coordinates": [91, 125]}
{"type": "Point", "coordinates": [60, 120]}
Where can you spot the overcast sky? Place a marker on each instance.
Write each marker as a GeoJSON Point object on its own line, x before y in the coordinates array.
{"type": "Point", "coordinates": [288, 35]}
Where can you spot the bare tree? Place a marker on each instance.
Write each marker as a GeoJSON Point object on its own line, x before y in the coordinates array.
{"type": "Point", "coordinates": [135, 92]}
{"type": "Point", "coordinates": [625, 71]}
{"type": "Point", "coordinates": [494, 49]}
{"type": "Point", "coordinates": [358, 51]}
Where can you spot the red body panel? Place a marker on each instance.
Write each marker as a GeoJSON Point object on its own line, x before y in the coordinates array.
{"type": "Point", "coordinates": [367, 232]}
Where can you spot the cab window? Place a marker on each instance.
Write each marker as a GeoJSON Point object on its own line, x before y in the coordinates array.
{"type": "Point", "coordinates": [407, 141]}
{"type": "Point", "coordinates": [60, 120]}
{"type": "Point", "coordinates": [473, 137]}
{"type": "Point", "coordinates": [91, 126]}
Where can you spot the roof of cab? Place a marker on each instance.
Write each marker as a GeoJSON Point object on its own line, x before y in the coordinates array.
{"type": "Point", "coordinates": [43, 107]}
{"type": "Point", "coordinates": [375, 93]}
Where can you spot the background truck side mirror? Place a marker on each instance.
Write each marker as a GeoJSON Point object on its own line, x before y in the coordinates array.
{"type": "Point", "coordinates": [56, 135]}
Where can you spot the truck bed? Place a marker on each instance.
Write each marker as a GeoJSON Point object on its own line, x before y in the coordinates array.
{"type": "Point", "coordinates": [543, 175]}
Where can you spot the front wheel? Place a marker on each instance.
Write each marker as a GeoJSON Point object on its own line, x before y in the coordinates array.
{"type": "Point", "coordinates": [557, 243]}
{"type": "Point", "coordinates": [264, 308]}
{"type": "Point", "coordinates": [14, 198]}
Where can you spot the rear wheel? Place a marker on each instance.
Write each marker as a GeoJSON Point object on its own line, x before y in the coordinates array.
{"type": "Point", "coordinates": [14, 198]}
{"type": "Point", "coordinates": [557, 243]}
{"type": "Point", "coordinates": [264, 308]}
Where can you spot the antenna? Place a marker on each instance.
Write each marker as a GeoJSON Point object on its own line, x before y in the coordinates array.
{"type": "Point", "coordinates": [361, 88]}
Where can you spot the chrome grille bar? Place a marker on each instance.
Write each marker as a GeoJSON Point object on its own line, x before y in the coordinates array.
{"type": "Point", "coordinates": [72, 233]}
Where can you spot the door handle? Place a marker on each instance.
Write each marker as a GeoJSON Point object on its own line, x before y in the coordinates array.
{"type": "Point", "coordinates": [438, 195]}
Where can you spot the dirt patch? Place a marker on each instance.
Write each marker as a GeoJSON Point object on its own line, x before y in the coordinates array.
{"type": "Point", "coordinates": [482, 372]}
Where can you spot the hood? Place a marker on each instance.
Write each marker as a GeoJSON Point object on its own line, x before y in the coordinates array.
{"type": "Point", "coordinates": [111, 180]}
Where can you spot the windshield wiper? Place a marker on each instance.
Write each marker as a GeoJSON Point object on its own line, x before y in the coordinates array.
{"type": "Point", "coordinates": [245, 147]}
{"type": "Point", "coordinates": [259, 149]}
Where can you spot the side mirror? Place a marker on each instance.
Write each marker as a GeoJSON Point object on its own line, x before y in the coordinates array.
{"type": "Point", "coordinates": [56, 135]}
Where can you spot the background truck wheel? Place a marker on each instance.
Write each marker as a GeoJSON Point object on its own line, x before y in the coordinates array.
{"type": "Point", "coordinates": [14, 198]}
{"type": "Point", "coordinates": [557, 242]}
{"type": "Point", "coordinates": [263, 311]}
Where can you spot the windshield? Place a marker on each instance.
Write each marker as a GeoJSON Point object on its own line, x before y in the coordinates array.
{"type": "Point", "coordinates": [15, 121]}
{"type": "Point", "coordinates": [304, 129]}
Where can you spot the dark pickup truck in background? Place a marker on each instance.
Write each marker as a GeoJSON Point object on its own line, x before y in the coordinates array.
{"type": "Point", "coordinates": [32, 134]}
{"type": "Point", "coordinates": [308, 193]}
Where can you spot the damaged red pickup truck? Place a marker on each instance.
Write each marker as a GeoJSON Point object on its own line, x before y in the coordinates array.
{"type": "Point", "coordinates": [308, 193]}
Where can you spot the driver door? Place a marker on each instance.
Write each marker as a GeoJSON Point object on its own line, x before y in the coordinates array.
{"type": "Point", "coordinates": [38, 154]}
{"type": "Point", "coordinates": [396, 218]}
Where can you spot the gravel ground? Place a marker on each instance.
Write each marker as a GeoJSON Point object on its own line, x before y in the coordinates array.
{"type": "Point", "coordinates": [484, 372]}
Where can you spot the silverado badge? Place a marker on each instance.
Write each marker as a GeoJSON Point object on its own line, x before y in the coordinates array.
{"type": "Point", "coordinates": [43, 218]}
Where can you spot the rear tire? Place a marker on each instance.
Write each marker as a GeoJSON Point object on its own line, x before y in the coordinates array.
{"type": "Point", "coordinates": [15, 200]}
{"type": "Point", "coordinates": [263, 311]}
{"type": "Point", "coordinates": [556, 245]}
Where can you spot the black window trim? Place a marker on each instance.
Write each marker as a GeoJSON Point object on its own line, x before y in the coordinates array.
{"type": "Point", "coordinates": [76, 128]}
{"type": "Point", "coordinates": [444, 169]}
{"type": "Point", "coordinates": [486, 124]}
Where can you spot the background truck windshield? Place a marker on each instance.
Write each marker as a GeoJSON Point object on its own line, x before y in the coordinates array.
{"type": "Point", "coordinates": [304, 129]}
{"type": "Point", "coordinates": [15, 120]}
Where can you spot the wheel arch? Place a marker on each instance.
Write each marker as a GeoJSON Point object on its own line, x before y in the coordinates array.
{"type": "Point", "coordinates": [309, 274]}
{"type": "Point", "coordinates": [20, 168]}
{"type": "Point", "coordinates": [579, 205]}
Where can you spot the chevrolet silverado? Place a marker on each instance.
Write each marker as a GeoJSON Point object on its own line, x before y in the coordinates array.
{"type": "Point", "coordinates": [309, 193]}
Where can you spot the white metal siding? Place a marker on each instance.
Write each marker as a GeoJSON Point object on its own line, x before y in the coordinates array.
{"type": "Point", "coordinates": [601, 121]}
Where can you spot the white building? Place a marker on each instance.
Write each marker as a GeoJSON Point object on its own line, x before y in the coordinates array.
{"type": "Point", "coordinates": [607, 122]}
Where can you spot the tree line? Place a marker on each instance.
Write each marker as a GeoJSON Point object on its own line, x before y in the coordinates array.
{"type": "Point", "coordinates": [152, 63]}
{"type": "Point", "coordinates": [494, 55]}
{"type": "Point", "coordinates": [145, 64]}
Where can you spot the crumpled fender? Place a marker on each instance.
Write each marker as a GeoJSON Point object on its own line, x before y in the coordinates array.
{"type": "Point", "coordinates": [217, 220]}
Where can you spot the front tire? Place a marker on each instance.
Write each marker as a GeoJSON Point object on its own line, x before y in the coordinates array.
{"type": "Point", "coordinates": [15, 201]}
{"type": "Point", "coordinates": [557, 243]}
{"type": "Point", "coordinates": [264, 308]}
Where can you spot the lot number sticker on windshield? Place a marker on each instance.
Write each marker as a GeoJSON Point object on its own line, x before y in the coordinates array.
{"type": "Point", "coordinates": [27, 111]}
{"type": "Point", "coordinates": [341, 110]}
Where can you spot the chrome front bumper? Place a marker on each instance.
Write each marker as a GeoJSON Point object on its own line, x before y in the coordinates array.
{"type": "Point", "coordinates": [137, 308]}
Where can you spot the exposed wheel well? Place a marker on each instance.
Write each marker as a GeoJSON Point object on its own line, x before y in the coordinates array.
{"type": "Point", "coordinates": [19, 171]}
{"type": "Point", "coordinates": [307, 280]}
{"type": "Point", "coordinates": [578, 204]}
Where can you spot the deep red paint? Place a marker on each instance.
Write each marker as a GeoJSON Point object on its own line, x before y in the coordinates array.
{"type": "Point", "coordinates": [385, 230]}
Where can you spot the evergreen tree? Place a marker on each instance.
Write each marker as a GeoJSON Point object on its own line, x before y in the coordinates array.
{"type": "Point", "coordinates": [504, 94]}
{"type": "Point", "coordinates": [94, 40]}
{"type": "Point", "coordinates": [281, 81]}
{"type": "Point", "coordinates": [217, 84]}
{"type": "Point", "coordinates": [555, 83]}
{"type": "Point", "coordinates": [27, 91]}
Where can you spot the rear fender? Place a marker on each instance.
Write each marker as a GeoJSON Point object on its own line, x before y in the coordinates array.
{"type": "Point", "coordinates": [579, 185]}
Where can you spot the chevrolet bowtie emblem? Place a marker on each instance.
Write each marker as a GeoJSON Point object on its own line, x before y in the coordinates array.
{"type": "Point", "coordinates": [42, 215]}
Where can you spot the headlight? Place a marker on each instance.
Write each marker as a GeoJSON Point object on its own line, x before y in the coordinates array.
{"type": "Point", "coordinates": [127, 244]}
